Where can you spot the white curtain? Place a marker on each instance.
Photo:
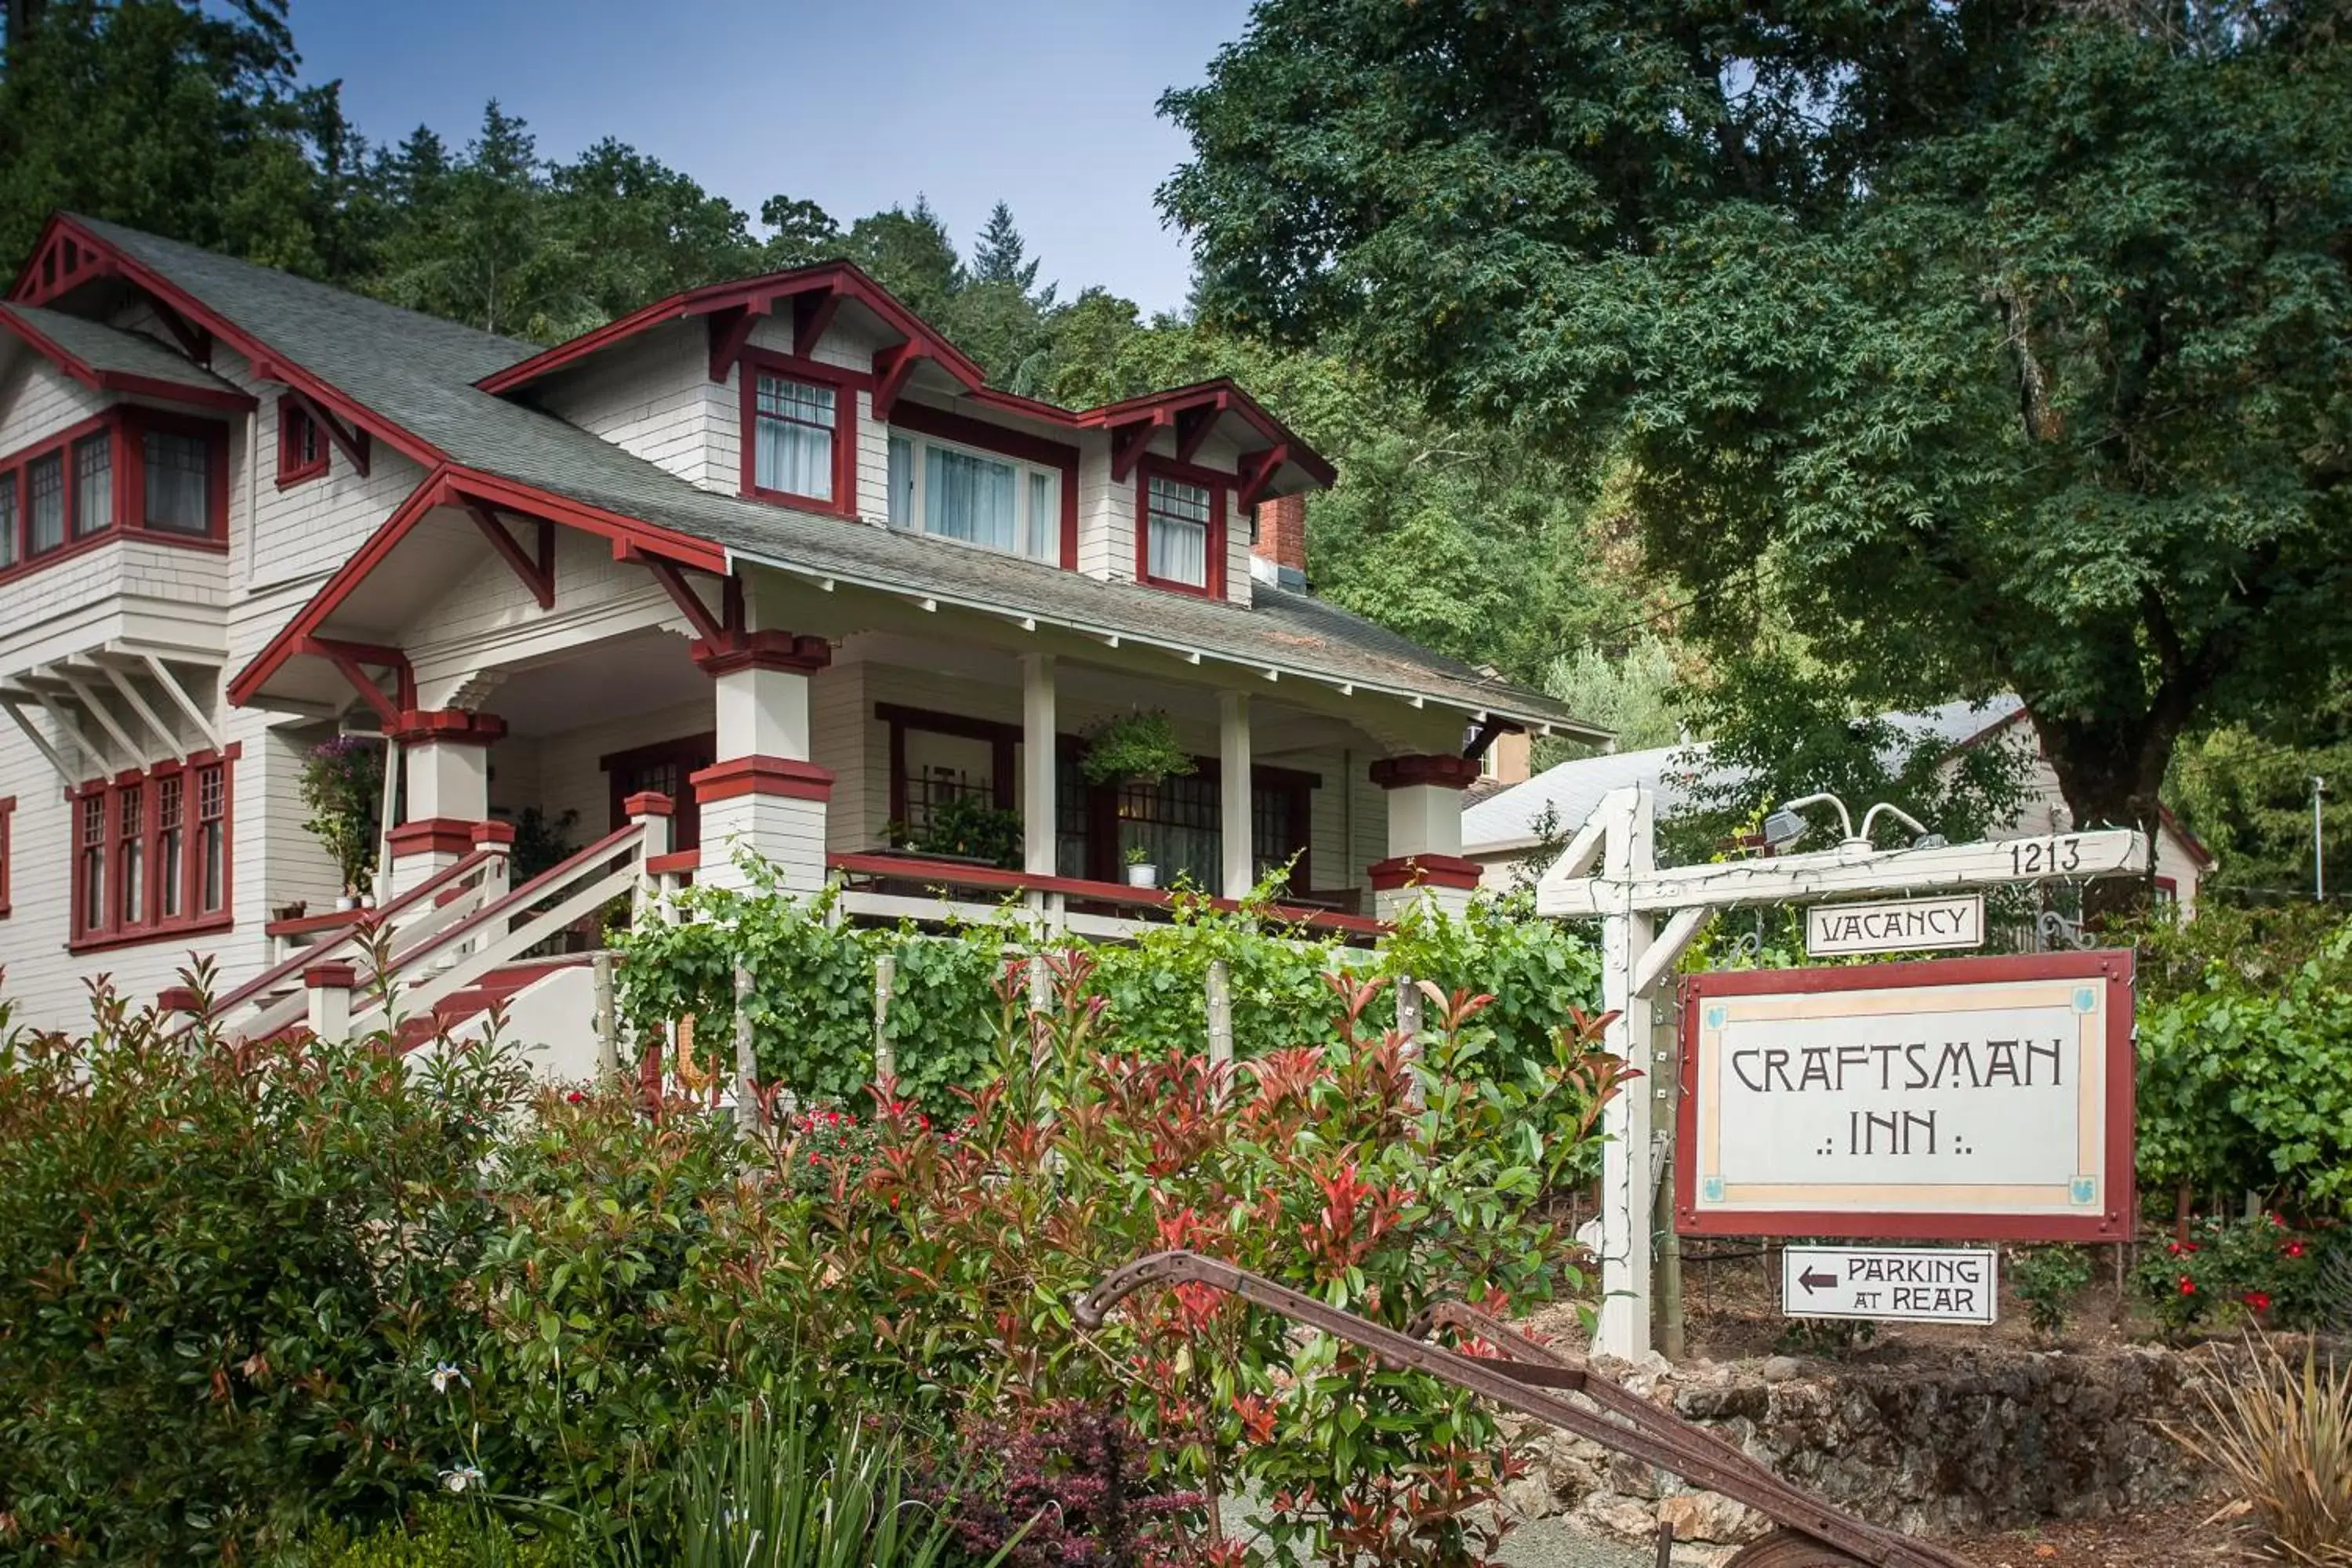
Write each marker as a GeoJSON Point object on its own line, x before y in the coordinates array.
{"type": "Point", "coordinates": [178, 480]}
{"type": "Point", "coordinates": [970, 499]}
{"type": "Point", "coordinates": [1046, 515]}
{"type": "Point", "coordinates": [1179, 533]}
{"type": "Point", "coordinates": [44, 481]}
{"type": "Point", "coordinates": [93, 484]}
{"type": "Point", "coordinates": [794, 439]}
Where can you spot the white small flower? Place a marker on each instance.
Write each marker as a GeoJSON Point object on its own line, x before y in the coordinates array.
{"type": "Point", "coordinates": [443, 1375]}
{"type": "Point", "coordinates": [461, 1477]}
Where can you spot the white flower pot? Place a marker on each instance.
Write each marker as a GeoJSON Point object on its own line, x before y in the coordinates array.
{"type": "Point", "coordinates": [1146, 875]}
{"type": "Point", "coordinates": [346, 902]}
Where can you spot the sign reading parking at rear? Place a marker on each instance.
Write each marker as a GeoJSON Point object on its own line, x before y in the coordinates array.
{"type": "Point", "coordinates": [1900, 1284]}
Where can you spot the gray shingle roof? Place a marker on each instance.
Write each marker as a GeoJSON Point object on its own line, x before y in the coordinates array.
{"type": "Point", "coordinates": [416, 371]}
{"type": "Point", "coordinates": [105, 348]}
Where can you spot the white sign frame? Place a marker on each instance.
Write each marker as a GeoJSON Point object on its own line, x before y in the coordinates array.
{"type": "Point", "coordinates": [1903, 925]}
{"type": "Point", "coordinates": [1892, 1284]}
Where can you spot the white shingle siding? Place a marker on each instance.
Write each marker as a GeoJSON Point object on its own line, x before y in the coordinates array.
{"type": "Point", "coordinates": [37, 400]}
{"type": "Point", "coordinates": [655, 398]}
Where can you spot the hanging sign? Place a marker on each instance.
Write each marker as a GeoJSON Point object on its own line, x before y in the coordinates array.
{"type": "Point", "coordinates": [1895, 1284]}
{"type": "Point", "coordinates": [1899, 925]}
{"type": "Point", "coordinates": [1957, 1099]}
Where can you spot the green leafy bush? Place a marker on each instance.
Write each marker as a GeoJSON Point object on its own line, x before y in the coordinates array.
{"type": "Point", "coordinates": [453, 1534]}
{"type": "Point", "coordinates": [2047, 1279]}
{"type": "Point", "coordinates": [2233, 1270]}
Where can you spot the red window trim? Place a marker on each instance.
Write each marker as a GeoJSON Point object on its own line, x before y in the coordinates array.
{"type": "Point", "coordinates": [7, 809]}
{"type": "Point", "coordinates": [126, 426]}
{"type": "Point", "coordinates": [847, 385]}
{"type": "Point", "coordinates": [1146, 468]}
{"type": "Point", "coordinates": [689, 753]}
{"type": "Point", "coordinates": [293, 466]}
{"type": "Point", "coordinates": [921, 419]}
{"type": "Point", "coordinates": [111, 931]}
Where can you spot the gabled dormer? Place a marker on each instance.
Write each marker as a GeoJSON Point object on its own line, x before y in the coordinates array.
{"type": "Point", "coordinates": [815, 391]}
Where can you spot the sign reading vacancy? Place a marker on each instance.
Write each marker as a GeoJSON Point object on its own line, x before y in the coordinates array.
{"type": "Point", "coordinates": [1899, 1284]}
{"type": "Point", "coordinates": [1901, 925]}
{"type": "Point", "coordinates": [1951, 1099]}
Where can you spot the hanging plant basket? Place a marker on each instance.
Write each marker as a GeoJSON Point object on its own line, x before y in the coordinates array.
{"type": "Point", "coordinates": [1140, 747]}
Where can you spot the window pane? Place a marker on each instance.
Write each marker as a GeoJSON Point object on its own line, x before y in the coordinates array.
{"type": "Point", "coordinates": [7, 519]}
{"type": "Point", "coordinates": [93, 484]}
{"type": "Point", "coordinates": [969, 497]}
{"type": "Point", "coordinates": [942, 767]}
{"type": "Point", "coordinates": [168, 845]}
{"type": "Point", "coordinates": [1178, 546]}
{"type": "Point", "coordinates": [793, 447]}
{"type": "Point", "coordinates": [1046, 515]}
{"type": "Point", "coordinates": [44, 478]}
{"type": "Point", "coordinates": [902, 482]}
{"type": "Point", "coordinates": [179, 483]}
{"type": "Point", "coordinates": [93, 863]}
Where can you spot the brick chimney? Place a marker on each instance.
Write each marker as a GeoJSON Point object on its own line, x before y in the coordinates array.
{"type": "Point", "coordinates": [1278, 554]}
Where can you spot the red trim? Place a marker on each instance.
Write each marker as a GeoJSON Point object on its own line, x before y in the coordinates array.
{"type": "Point", "coordinates": [732, 776]}
{"type": "Point", "coordinates": [7, 809]}
{"type": "Point", "coordinates": [648, 803]}
{"type": "Point", "coordinates": [486, 834]}
{"type": "Point", "coordinates": [32, 287]}
{"type": "Point", "coordinates": [1441, 769]}
{"type": "Point", "coordinates": [295, 422]}
{"type": "Point", "coordinates": [331, 977]}
{"type": "Point", "coordinates": [675, 761]}
{"type": "Point", "coordinates": [178, 999]}
{"type": "Point", "coordinates": [1148, 466]}
{"type": "Point", "coordinates": [1424, 870]}
{"type": "Point", "coordinates": [449, 485]}
{"type": "Point", "coordinates": [892, 369]}
{"type": "Point", "coordinates": [922, 419]}
{"type": "Point", "coordinates": [680, 862]}
{"type": "Point", "coordinates": [901, 868]}
{"type": "Point", "coordinates": [2114, 1220]}
{"type": "Point", "coordinates": [1234, 401]}
{"type": "Point", "coordinates": [305, 925]}
{"type": "Point", "coordinates": [450, 726]}
{"type": "Point", "coordinates": [124, 429]}
{"type": "Point", "coordinates": [846, 384]}
{"type": "Point", "coordinates": [761, 651]}
{"type": "Point", "coordinates": [123, 383]}
{"type": "Point", "coordinates": [812, 314]}
{"type": "Point", "coordinates": [432, 835]}
{"type": "Point", "coordinates": [756, 297]}
{"type": "Point", "coordinates": [1257, 471]}
{"type": "Point", "coordinates": [113, 925]}
{"type": "Point", "coordinates": [349, 657]}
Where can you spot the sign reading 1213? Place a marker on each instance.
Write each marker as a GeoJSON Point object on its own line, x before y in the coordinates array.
{"type": "Point", "coordinates": [1960, 1099]}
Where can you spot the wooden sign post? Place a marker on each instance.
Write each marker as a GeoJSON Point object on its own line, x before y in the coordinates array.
{"type": "Point", "coordinates": [1610, 871]}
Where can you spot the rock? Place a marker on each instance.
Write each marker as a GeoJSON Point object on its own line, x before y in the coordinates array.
{"type": "Point", "coordinates": [1709, 1516]}
{"type": "Point", "coordinates": [1780, 1369]}
{"type": "Point", "coordinates": [1530, 1497]}
{"type": "Point", "coordinates": [1633, 1477]}
{"type": "Point", "coordinates": [1627, 1518]}
{"type": "Point", "coordinates": [1704, 1556]}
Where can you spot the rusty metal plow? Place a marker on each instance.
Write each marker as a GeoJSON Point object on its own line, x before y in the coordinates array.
{"type": "Point", "coordinates": [1536, 1381]}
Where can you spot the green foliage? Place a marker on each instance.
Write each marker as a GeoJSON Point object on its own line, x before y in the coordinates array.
{"type": "Point", "coordinates": [2282, 1437]}
{"type": "Point", "coordinates": [2047, 1279]}
{"type": "Point", "coordinates": [541, 842]}
{"type": "Point", "coordinates": [2231, 1270]}
{"type": "Point", "coordinates": [2245, 1082]}
{"type": "Point", "coordinates": [968, 827]}
{"type": "Point", "coordinates": [341, 785]}
{"type": "Point", "coordinates": [1981, 350]}
{"type": "Point", "coordinates": [455, 1534]}
{"type": "Point", "coordinates": [1141, 745]}
{"type": "Point", "coordinates": [2245, 790]}
{"type": "Point", "coordinates": [1633, 696]}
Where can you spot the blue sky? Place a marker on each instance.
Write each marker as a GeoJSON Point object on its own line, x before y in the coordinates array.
{"type": "Point", "coordinates": [1048, 104]}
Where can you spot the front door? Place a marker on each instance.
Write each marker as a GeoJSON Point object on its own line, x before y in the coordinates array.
{"type": "Point", "coordinates": [666, 766]}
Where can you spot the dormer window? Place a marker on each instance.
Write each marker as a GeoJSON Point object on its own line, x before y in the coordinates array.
{"type": "Point", "coordinates": [956, 492]}
{"type": "Point", "coordinates": [1180, 528]}
{"type": "Point", "coordinates": [799, 432]}
{"type": "Point", "coordinates": [301, 445]}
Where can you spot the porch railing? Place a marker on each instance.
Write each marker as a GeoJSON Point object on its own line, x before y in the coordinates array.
{"type": "Point", "coordinates": [871, 885]}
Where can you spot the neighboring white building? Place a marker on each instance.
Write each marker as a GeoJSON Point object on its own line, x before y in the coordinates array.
{"type": "Point", "coordinates": [1502, 830]}
{"type": "Point", "coordinates": [766, 565]}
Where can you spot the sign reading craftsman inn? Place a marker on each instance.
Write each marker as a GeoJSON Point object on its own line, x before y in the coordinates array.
{"type": "Point", "coordinates": [1954, 1099]}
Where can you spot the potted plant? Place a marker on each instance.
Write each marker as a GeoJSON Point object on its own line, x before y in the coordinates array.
{"type": "Point", "coordinates": [1140, 747]}
{"type": "Point", "coordinates": [342, 787]}
{"type": "Point", "coordinates": [1140, 871]}
{"type": "Point", "coordinates": [966, 827]}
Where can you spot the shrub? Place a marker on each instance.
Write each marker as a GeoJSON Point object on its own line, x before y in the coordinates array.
{"type": "Point", "coordinates": [2261, 1268]}
{"type": "Point", "coordinates": [2283, 1439]}
{"type": "Point", "coordinates": [453, 1534]}
{"type": "Point", "coordinates": [2047, 1279]}
{"type": "Point", "coordinates": [1064, 1485]}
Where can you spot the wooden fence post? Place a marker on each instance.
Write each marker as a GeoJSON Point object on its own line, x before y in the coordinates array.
{"type": "Point", "coordinates": [1221, 1014]}
{"type": "Point", "coordinates": [747, 1095]}
{"type": "Point", "coordinates": [608, 1037]}
{"type": "Point", "coordinates": [1408, 1012]}
{"type": "Point", "coordinates": [886, 977]}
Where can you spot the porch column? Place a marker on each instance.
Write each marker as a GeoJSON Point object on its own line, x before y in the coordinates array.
{"type": "Point", "coordinates": [764, 795]}
{"type": "Point", "coordinates": [1039, 805]}
{"type": "Point", "coordinates": [1239, 861]}
{"type": "Point", "coordinates": [1424, 859]}
{"type": "Point", "coordinates": [446, 760]}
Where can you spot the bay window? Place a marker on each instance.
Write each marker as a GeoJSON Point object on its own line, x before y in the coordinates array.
{"type": "Point", "coordinates": [129, 470]}
{"type": "Point", "coordinates": [955, 492]}
{"type": "Point", "coordinates": [1180, 527]}
{"type": "Point", "coordinates": [142, 869]}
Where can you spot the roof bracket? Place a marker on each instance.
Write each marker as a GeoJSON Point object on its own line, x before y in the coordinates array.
{"type": "Point", "coordinates": [1128, 442]}
{"type": "Point", "coordinates": [350, 440]}
{"type": "Point", "coordinates": [1193, 425]}
{"type": "Point", "coordinates": [730, 333]}
{"type": "Point", "coordinates": [194, 342]}
{"type": "Point", "coordinates": [812, 314]}
{"type": "Point", "coordinates": [1489, 727]}
{"type": "Point", "coordinates": [537, 574]}
{"type": "Point", "coordinates": [351, 657]}
{"type": "Point", "coordinates": [1257, 473]}
{"type": "Point", "coordinates": [892, 366]}
{"type": "Point", "coordinates": [710, 629]}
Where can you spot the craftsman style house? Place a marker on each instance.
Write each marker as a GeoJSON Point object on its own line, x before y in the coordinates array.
{"type": "Point", "coordinates": [763, 566]}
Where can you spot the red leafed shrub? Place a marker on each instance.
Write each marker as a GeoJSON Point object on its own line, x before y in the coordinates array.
{"type": "Point", "coordinates": [1079, 1477]}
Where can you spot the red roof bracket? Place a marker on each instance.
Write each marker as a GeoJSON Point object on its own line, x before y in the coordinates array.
{"type": "Point", "coordinates": [730, 333]}
{"type": "Point", "coordinates": [892, 366]}
{"type": "Point", "coordinates": [1257, 471]}
{"type": "Point", "coordinates": [812, 314]}
{"type": "Point", "coordinates": [64, 263]}
{"type": "Point", "coordinates": [537, 574]}
{"type": "Point", "coordinates": [1193, 425]}
{"type": "Point", "coordinates": [351, 657]}
{"type": "Point", "coordinates": [350, 440]}
{"type": "Point", "coordinates": [1128, 442]}
{"type": "Point", "coordinates": [707, 626]}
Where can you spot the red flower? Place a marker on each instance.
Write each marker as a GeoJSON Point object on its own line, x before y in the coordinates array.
{"type": "Point", "coordinates": [2173, 1247]}
{"type": "Point", "coordinates": [2188, 1285]}
{"type": "Point", "coordinates": [574, 1097]}
{"type": "Point", "coordinates": [2295, 1249]}
{"type": "Point", "coordinates": [2259, 1301]}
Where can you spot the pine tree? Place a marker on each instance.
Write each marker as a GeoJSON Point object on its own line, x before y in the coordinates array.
{"type": "Point", "coordinates": [999, 254]}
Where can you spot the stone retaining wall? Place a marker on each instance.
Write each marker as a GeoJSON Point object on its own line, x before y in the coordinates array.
{"type": "Point", "coordinates": [1981, 1439]}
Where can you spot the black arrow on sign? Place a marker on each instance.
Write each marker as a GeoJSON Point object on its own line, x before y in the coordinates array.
{"type": "Point", "coordinates": [1813, 1281]}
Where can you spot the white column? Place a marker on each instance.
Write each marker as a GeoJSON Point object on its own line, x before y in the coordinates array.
{"type": "Point", "coordinates": [1424, 859]}
{"type": "Point", "coordinates": [1038, 806]}
{"type": "Point", "coordinates": [764, 794]}
{"type": "Point", "coordinates": [446, 760]}
{"type": "Point", "coordinates": [1239, 866]}
{"type": "Point", "coordinates": [1626, 1159]}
